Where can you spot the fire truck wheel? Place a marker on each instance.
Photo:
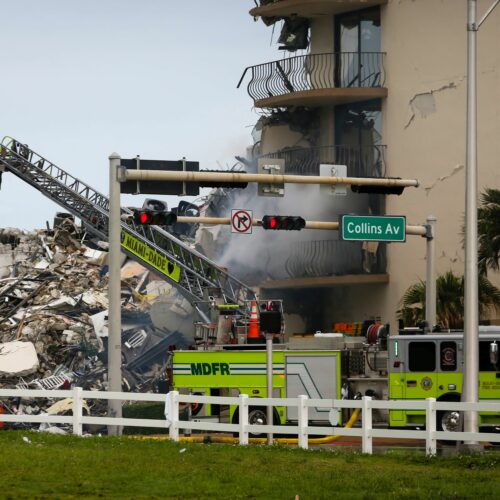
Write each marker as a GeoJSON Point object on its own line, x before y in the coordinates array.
{"type": "Point", "coordinates": [449, 421]}
{"type": "Point", "coordinates": [257, 416]}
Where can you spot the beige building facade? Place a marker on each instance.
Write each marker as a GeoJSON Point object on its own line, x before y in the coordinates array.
{"type": "Point", "coordinates": [381, 87]}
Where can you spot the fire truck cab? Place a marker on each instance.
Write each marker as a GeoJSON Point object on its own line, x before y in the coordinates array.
{"type": "Point", "coordinates": [431, 366]}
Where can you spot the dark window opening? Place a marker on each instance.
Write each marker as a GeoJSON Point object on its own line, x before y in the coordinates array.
{"type": "Point", "coordinates": [422, 356]}
{"type": "Point", "coordinates": [485, 364]}
{"type": "Point", "coordinates": [358, 138]}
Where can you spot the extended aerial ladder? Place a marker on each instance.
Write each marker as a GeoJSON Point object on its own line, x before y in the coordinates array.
{"type": "Point", "coordinates": [196, 277]}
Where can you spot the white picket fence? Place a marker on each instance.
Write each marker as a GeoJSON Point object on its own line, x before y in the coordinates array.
{"type": "Point", "coordinates": [303, 430]}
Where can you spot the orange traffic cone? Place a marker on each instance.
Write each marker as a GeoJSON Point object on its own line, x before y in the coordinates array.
{"type": "Point", "coordinates": [253, 329]}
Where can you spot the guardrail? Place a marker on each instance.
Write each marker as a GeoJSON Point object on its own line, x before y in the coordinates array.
{"type": "Point", "coordinates": [315, 71]}
{"type": "Point", "coordinates": [303, 430]}
{"type": "Point", "coordinates": [361, 161]}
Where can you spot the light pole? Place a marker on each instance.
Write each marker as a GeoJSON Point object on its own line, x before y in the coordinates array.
{"type": "Point", "coordinates": [471, 310]}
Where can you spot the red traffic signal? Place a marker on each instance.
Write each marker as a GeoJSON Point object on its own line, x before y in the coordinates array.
{"type": "Point", "coordinates": [146, 217]}
{"type": "Point", "coordinates": [283, 222]}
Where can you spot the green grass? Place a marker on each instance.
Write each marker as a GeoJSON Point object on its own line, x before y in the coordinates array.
{"type": "Point", "coordinates": [145, 411]}
{"type": "Point", "coordinates": [110, 467]}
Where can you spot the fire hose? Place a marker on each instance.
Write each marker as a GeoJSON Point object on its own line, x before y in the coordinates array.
{"type": "Point", "coordinates": [235, 440]}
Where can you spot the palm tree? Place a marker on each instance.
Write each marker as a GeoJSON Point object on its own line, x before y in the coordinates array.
{"type": "Point", "coordinates": [450, 306]}
{"type": "Point", "coordinates": [488, 226]}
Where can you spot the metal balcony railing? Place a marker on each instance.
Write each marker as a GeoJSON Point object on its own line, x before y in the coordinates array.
{"type": "Point", "coordinates": [361, 161]}
{"type": "Point", "coordinates": [315, 71]}
{"type": "Point", "coordinates": [309, 259]}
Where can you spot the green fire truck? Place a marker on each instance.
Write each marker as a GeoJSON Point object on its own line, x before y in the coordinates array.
{"type": "Point", "coordinates": [412, 365]}
{"type": "Point", "coordinates": [430, 366]}
{"type": "Point", "coordinates": [243, 371]}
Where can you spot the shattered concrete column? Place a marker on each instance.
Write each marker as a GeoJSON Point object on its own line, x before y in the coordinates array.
{"type": "Point", "coordinates": [114, 322]}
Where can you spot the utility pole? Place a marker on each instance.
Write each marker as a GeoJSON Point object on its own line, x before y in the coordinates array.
{"type": "Point", "coordinates": [471, 310]}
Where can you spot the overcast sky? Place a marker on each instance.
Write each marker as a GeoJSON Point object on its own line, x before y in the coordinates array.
{"type": "Point", "coordinates": [81, 79]}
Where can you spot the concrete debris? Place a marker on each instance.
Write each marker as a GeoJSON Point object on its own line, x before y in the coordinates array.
{"type": "Point", "coordinates": [18, 359]}
{"type": "Point", "coordinates": [54, 314]}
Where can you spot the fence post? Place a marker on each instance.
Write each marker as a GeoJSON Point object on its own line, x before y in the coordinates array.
{"type": "Point", "coordinates": [77, 411]}
{"type": "Point", "coordinates": [173, 430]}
{"type": "Point", "coordinates": [243, 403]}
{"type": "Point", "coordinates": [430, 426]}
{"type": "Point", "coordinates": [303, 412]}
{"type": "Point", "coordinates": [367, 425]}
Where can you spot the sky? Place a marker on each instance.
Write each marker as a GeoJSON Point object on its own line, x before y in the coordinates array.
{"type": "Point", "coordinates": [156, 78]}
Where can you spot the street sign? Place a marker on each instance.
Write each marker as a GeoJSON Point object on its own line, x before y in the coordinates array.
{"type": "Point", "coordinates": [373, 228]}
{"type": "Point", "coordinates": [241, 221]}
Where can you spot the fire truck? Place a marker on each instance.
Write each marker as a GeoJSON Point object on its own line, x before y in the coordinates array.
{"type": "Point", "coordinates": [412, 365]}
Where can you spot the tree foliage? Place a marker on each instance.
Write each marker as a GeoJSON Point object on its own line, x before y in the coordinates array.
{"type": "Point", "coordinates": [450, 301]}
{"type": "Point", "coordinates": [488, 226]}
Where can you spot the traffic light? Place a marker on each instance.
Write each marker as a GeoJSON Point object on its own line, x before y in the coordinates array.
{"type": "Point", "coordinates": [356, 188]}
{"type": "Point", "coordinates": [146, 217]}
{"type": "Point", "coordinates": [283, 222]}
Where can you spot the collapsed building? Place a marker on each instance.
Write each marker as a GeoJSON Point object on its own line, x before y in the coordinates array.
{"type": "Point", "coordinates": [53, 314]}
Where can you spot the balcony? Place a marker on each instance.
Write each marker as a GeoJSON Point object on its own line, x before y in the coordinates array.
{"type": "Point", "coordinates": [326, 263]}
{"type": "Point", "coordinates": [361, 161]}
{"type": "Point", "coordinates": [328, 258]}
{"type": "Point", "coordinates": [317, 80]}
{"type": "Point", "coordinates": [310, 8]}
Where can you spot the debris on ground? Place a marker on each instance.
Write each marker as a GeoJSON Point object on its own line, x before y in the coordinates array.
{"type": "Point", "coordinates": [53, 317]}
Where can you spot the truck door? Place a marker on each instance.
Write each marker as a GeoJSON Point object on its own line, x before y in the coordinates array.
{"type": "Point", "coordinates": [419, 379]}
{"type": "Point", "coordinates": [489, 374]}
{"type": "Point", "coordinates": [449, 378]}
{"type": "Point", "coordinates": [316, 376]}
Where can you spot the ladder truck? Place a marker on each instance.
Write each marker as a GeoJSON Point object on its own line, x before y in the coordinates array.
{"type": "Point", "coordinates": [208, 287]}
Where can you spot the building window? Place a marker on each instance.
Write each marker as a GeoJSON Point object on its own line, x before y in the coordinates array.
{"type": "Point", "coordinates": [422, 356]}
{"type": "Point", "coordinates": [359, 123]}
{"type": "Point", "coordinates": [358, 129]}
{"type": "Point", "coordinates": [357, 33]}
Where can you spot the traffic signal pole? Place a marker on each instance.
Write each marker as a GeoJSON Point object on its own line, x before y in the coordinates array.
{"type": "Point", "coordinates": [235, 177]}
{"type": "Point", "coordinates": [413, 230]}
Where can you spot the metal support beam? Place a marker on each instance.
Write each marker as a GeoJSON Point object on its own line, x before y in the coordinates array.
{"type": "Point", "coordinates": [114, 292]}
{"type": "Point", "coordinates": [470, 391]}
{"type": "Point", "coordinates": [430, 287]}
{"type": "Point", "coordinates": [269, 379]}
{"type": "Point", "coordinates": [471, 309]}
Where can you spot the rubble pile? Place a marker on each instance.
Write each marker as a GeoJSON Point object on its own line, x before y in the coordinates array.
{"type": "Point", "coordinates": [53, 314]}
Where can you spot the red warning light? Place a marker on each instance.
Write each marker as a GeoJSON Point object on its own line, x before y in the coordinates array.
{"type": "Point", "coordinates": [283, 222]}
{"type": "Point", "coordinates": [144, 217]}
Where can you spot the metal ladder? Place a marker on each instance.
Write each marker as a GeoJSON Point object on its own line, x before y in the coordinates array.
{"type": "Point", "coordinates": [199, 277]}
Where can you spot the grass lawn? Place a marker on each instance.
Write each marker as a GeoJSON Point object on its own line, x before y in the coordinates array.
{"type": "Point", "coordinates": [69, 467]}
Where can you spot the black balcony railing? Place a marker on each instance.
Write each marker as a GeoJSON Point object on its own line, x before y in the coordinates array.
{"type": "Point", "coordinates": [315, 71]}
{"type": "Point", "coordinates": [309, 259]}
{"type": "Point", "coordinates": [361, 161]}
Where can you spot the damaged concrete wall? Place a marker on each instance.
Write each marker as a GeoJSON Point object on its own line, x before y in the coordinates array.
{"type": "Point", "coordinates": [424, 119]}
